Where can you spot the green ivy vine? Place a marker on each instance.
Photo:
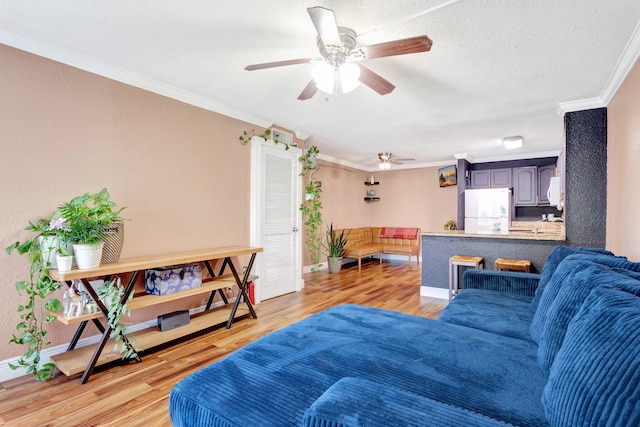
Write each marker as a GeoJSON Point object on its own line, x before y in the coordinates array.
{"type": "Point", "coordinates": [312, 204]}
{"type": "Point", "coordinates": [33, 314]}
{"type": "Point", "coordinates": [110, 293]}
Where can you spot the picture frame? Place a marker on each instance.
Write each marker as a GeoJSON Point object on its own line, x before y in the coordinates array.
{"type": "Point", "coordinates": [448, 176]}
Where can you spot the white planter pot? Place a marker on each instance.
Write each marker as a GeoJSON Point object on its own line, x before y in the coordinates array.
{"type": "Point", "coordinates": [88, 256]}
{"type": "Point", "coordinates": [48, 247]}
{"type": "Point", "coordinates": [335, 264]}
{"type": "Point", "coordinates": [64, 263]}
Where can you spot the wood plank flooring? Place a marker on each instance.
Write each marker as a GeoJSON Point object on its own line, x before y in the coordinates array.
{"type": "Point", "coordinates": [136, 394]}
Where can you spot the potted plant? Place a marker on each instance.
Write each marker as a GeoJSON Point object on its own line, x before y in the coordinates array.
{"type": "Point", "coordinates": [63, 248]}
{"type": "Point", "coordinates": [335, 245]}
{"type": "Point", "coordinates": [38, 288]}
{"type": "Point", "coordinates": [89, 217]}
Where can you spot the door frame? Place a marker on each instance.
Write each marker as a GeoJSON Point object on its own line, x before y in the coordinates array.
{"type": "Point", "coordinates": [256, 220]}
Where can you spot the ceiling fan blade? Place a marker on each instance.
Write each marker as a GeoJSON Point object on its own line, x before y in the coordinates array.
{"type": "Point", "coordinates": [374, 81]}
{"type": "Point", "coordinates": [405, 159]}
{"type": "Point", "coordinates": [325, 22]}
{"type": "Point", "coordinates": [278, 64]}
{"type": "Point", "coordinates": [397, 47]}
{"type": "Point", "coordinates": [308, 91]}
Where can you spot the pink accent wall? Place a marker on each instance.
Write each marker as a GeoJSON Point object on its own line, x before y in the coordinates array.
{"type": "Point", "coordinates": [179, 169]}
{"type": "Point", "coordinates": [623, 168]}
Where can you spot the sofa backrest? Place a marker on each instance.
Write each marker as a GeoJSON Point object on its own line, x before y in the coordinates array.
{"type": "Point", "coordinates": [357, 236]}
{"type": "Point", "coordinates": [595, 379]}
{"type": "Point", "coordinates": [556, 256]}
{"type": "Point", "coordinates": [401, 240]}
{"type": "Point", "coordinates": [576, 277]}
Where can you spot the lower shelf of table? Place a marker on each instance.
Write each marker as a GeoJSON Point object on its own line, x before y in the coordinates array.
{"type": "Point", "coordinates": [76, 361]}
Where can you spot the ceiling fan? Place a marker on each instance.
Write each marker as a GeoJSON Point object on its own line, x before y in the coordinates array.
{"type": "Point", "coordinates": [339, 66]}
{"type": "Point", "coordinates": [385, 160]}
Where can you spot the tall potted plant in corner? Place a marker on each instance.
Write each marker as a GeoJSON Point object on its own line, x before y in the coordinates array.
{"type": "Point", "coordinates": [335, 245]}
{"type": "Point", "coordinates": [89, 216]}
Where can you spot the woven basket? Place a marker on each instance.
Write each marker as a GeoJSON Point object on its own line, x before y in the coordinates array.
{"type": "Point", "coordinates": [113, 239]}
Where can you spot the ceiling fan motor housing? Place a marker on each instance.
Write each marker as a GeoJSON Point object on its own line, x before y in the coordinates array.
{"type": "Point", "coordinates": [337, 55]}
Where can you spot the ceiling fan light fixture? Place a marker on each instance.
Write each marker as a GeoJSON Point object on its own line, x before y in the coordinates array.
{"type": "Point", "coordinates": [323, 76]}
{"type": "Point", "coordinates": [349, 75]}
{"type": "Point", "coordinates": [384, 165]}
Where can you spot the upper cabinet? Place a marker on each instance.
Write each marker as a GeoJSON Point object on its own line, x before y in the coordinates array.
{"type": "Point", "coordinates": [491, 178]}
{"type": "Point", "coordinates": [525, 186]}
{"type": "Point", "coordinates": [545, 173]}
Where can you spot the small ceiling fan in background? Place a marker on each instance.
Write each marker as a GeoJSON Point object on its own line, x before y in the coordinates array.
{"type": "Point", "coordinates": [339, 66]}
{"type": "Point", "coordinates": [385, 160]}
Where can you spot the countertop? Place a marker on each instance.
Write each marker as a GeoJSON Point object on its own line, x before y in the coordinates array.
{"type": "Point", "coordinates": [520, 234]}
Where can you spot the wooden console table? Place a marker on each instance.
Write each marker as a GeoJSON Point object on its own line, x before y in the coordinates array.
{"type": "Point", "coordinates": [87, 358]}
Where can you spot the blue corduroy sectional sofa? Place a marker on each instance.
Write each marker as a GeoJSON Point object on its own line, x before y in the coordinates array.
{"type": "Point", "coordinates": [557, 349]}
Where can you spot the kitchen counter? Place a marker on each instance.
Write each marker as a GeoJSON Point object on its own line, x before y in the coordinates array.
{"type": "Point", "coordinates": [520, 243]}
{"type": "Point", "coordinates": [516, 234]}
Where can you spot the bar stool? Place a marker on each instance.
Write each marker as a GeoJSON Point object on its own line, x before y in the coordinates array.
{"type": "Point", "coordinates": [523, 265]}
{"type": "Point", "coordinates": [457, 261]}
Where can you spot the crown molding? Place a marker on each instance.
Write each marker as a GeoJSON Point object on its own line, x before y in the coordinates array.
{"type": "Point", "coordinates": [536, 155]}
{"type": "Point", "coordinates": [85, 63]}
{"type": "Point", "coordinates": [626, 62]}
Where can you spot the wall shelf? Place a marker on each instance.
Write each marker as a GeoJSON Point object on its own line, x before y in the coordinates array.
{"type": "Point", "coordinates": [371, 199]}
{"type": "Point", "coordinates": [370, 183]}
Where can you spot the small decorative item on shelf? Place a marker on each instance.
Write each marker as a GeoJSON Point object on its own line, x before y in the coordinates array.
{"type": "Point", "coordinates": [371, 193]}
{"type": "Point", "coordinates": [450, 225]}
{"type": "Point", "coordinates": [372, 180]}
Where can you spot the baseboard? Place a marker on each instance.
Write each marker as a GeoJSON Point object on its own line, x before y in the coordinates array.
{"type": "Point", "coordinates": [314, 267]}
{"type": "Point", "coordinates": [440, 293]}
{"type": "Point", "coordinates": [389, 257]}
{"type": "Point", "coordinates": [6, 373]}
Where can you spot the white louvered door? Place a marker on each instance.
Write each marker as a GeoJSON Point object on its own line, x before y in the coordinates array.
{"type": "Point", "coordinates": [276, 218]}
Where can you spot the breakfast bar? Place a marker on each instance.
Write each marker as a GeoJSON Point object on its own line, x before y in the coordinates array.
{"type": "Point", "coordinates": [523, 242]}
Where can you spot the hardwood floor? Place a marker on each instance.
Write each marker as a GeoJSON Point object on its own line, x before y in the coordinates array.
{"type": "Point", "coordinates": [136, 394]}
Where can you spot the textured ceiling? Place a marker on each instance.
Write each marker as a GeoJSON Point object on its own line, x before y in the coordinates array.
{"type": "Point", "coordinates": [497, 67]}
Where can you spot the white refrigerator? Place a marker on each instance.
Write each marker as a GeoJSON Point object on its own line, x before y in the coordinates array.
{"type": "Point", "coordinates": [487, 211]}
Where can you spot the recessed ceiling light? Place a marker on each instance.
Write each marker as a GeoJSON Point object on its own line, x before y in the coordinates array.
{"type": "Point", "coordinates": [512, 142]}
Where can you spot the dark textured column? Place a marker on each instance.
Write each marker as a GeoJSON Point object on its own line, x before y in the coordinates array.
{"type": "Point", "coordinates": [586, 177]}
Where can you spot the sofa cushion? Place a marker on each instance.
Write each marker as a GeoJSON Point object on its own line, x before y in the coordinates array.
{"type": "Point", "coordinates": [490, 311]}
{"type": "Point", "coordinates": [582, 279]}
{"type": "Point", "coordinates": [555, 258]}
{"type": "Point", "coordinates": [479, 371]}
{"type": "Point", "coordinates": [358, 402]}
{"type": "Point", "coordinates": [363, 249]}
{"type": "Point", "coordinates": [595, 379]}
{"type": "Point", "coordinates": [557, 280]}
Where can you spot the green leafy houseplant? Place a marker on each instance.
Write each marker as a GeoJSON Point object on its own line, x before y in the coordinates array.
{"type": "Point", "coordinates": [336, 243]}
{"type": "Point", "coordinates": [111, 293]}
{"type": "Point", "coordinates": [311, 207]}
{"type": "Point", "coordinates": [38, 288]}
{"type": "Point", "coordinates": [89, 216]}
{"type": "Point", "coordinates": [84, 219]}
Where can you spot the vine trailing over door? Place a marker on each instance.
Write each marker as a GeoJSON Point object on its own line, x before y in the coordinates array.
{"type": "Point", "coordinates": [312, 205]}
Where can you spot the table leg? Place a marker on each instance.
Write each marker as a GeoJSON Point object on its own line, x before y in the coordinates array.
{"type": "Point", "coordinates": [242, 284]}
{"type": "Point", "coordinates": [107, 332]}
{"type": "Point", "coordinates": [207, 264]}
